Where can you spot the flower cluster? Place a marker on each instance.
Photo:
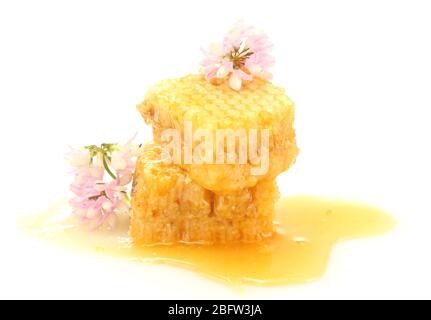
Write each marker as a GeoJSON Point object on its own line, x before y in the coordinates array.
{"type": "Point", "coordinates": [102, 175]}
{"type": "Point", "coordinates": [243, 54]}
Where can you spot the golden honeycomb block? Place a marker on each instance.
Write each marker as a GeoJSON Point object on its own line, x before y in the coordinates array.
{"type": "Point", "coordinates": [169, 207]}
{"type": "Point", "coordinates": [258, 105]}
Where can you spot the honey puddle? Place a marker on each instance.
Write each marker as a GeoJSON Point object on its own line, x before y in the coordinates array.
{"type": "Point", "coordinates": [308, 229]}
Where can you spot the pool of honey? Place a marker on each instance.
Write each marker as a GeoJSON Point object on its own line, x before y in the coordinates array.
{"type": "Point", "coordinates": [307, 230]}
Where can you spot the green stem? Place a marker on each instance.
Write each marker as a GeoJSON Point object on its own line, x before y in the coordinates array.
{"type": "Point", "coordinates": [105, 164]}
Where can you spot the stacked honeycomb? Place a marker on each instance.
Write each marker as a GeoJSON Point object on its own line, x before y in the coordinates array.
{"type": "Point", "coordinates": [210, 202]}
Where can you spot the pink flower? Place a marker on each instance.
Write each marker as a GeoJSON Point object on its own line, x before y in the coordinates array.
{"type": "Point", "coordinates": [95, 203]}
{"type": "Point", "coordinates": [96, 200]}
{"type": "Point", "coordinates": [244, 53]}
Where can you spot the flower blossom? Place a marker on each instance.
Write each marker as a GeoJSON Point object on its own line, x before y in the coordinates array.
{"type": "Point", "coordinates": [102, 176]}
{"type": "Point", "coordinates": [243, 54]}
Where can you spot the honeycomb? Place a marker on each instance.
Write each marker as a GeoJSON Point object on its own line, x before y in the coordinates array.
{"type": "Point", "coordinates": [258, 105]}
{"type": "Point", "coordinates": [168, 206]}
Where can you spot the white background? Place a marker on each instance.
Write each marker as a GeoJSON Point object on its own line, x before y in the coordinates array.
{"type": "Point", "coordinates": [71, 73]}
